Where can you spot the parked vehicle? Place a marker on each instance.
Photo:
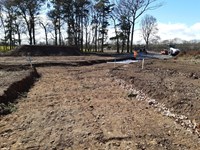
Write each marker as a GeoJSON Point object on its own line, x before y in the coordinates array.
{"type": "Point", "coordinates": [173, 51]}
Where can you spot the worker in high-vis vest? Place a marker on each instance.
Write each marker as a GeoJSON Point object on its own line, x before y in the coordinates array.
{"type": "Point", "coordinates": [135, 53]}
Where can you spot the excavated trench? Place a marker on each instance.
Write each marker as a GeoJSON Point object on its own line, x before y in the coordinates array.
{"type": "Point", "coordinates": [20, 85]}
{"type": "Point", "coordinates": [15, 85]}
{"type": "Point", "coordinates": [94, 107]}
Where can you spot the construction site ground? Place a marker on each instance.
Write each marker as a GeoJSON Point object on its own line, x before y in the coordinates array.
{"type": "Point", "coordinates": [107, 106]}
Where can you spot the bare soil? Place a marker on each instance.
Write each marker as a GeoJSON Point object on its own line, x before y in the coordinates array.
{"type": "Point", "coordinates": [53, 60]}
{"type": "Point", "coordinates": [15, 80]}
{"type": "Point", "coordinates": [176, 84]}
{"type": "Point", "coordinates": [90, 107]}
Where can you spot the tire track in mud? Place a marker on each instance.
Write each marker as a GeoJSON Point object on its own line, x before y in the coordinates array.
{"type": "Point", "coordinates": [85, 108]}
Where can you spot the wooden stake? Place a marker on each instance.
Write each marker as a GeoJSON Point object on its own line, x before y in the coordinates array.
{"type": "Point", "coordinates": [143, 63]}
{"type": "Point", "coordinates": [30, 61]}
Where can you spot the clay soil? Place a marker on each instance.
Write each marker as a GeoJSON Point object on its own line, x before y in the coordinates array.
{"type": "Point", "coordinates": [97, 107]}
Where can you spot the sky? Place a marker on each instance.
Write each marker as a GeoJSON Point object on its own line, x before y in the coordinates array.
{"type": "Point", "coordinates": [177, 19]}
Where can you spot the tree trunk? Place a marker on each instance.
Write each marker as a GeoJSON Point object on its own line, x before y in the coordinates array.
{"type": "Point", "coordinates": [132, 34]}
{"type": "Point", "coordinates": [147, 43]}
{"type": "Point", "coordinates": [59, 30]}
{"type": "Point", "coordinates": [45, 32]}
{"type": "Point", "coordinates": [19, 38]}
{"type": "Point", "coordinates": [82, 34]}
{"type": "Point", "coordinates": [33, 28]}
{"type": "Point", "coordinates": [116, 34]}
{"type": "Point", "coordinates": [86, 38]}
{"type": "Point", "coordinates": [128, 41]}
{"type": "Point", "coordinates": [4, 29]}
{"type": "Point", "coordinates": [18, 33]}
{"type": "Point", "coordinates": [10, 38]}
{"type": "Point", "coordinates": [56, 38]}
{"type": "Point", "coordinates": [102, 40]}
{"type": "Point", "coordinates": [46, 36]}
{"type": "Point", "coordinates": [28, 23]}
{"type": "Point", "coordinates": [30, 37]}
{"type": "Point", "coordinates": [123, 45]}
{"type": "Point", "coordinates": [95, 39]}
{"type": "Point", "coordinates": [70, 38]}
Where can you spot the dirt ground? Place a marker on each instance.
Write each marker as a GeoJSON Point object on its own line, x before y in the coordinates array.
{"type": "Point", "coordinates": [15, 82]}
{"type": "Point", "coordinates": [176, 84]}
{"type": "Point", "coordinates": [96, 107]}
{"type": "Point", "coordinates": [50, 59]}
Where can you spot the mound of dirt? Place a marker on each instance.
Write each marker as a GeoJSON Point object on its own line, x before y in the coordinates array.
{"type": "Point", "coordinates": [45, 50]}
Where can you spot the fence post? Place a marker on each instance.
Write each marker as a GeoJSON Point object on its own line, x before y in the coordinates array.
{"type": "Point", "coordinates": [143, 64]}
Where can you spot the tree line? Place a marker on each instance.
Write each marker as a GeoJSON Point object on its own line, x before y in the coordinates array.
{"type": "Point", "coordinates": [81, 23]}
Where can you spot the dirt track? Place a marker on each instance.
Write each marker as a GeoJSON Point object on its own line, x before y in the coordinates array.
{"type": "Point", "coordinates": [86, 108]}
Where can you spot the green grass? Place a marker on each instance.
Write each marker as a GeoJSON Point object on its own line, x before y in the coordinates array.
{"type": "Point", "coordinates": [7, 108]}
{"type": "Point", "coordinates": [4, 49]}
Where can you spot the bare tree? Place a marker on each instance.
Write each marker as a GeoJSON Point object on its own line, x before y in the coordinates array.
{"type": "Point", "coordinates": [149, 29]}
{"type": "Point", "coordinates": [116, 32]}
{"type": "Point", "coordinates": [55, 16]}
{"type": "Point", "coordinates": [2, 25]}
{"type": "Point", "coordinates": [45, 26]}
{"type": "Point", "coordinates": [8, 19]}
{"type": "Point", "coordinates": [103, 8]}
{"type": "Point", "coordinates": [123, 15]}
{"type": "Point", "coordinates": [29, 10]}
{"type": "Point", "coordinates": [134, 9]}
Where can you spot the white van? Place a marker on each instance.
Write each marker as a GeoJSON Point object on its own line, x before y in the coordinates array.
{"type": "Point", "coordinates": [173, 51]}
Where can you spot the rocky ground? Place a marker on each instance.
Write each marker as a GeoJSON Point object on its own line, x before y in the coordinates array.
{"type": "Point", "coordinates": [176, 84]}
{"type": "Point", "coordinates": [100, 107]}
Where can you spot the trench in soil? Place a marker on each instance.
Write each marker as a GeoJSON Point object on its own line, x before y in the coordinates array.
{"type": "Point", "coordinates": [17, 89]}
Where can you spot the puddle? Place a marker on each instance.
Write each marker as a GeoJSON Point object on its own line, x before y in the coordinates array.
{"type": "Point", "coordinates": [128, 61]}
